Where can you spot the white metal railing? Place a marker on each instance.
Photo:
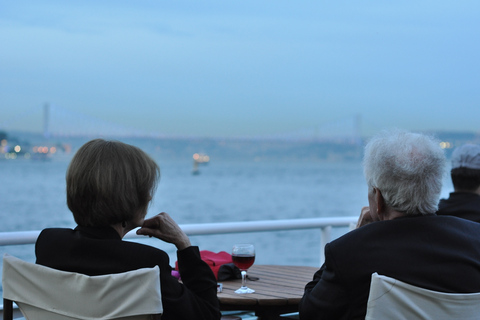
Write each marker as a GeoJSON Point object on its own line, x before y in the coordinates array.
{"type": "Point", "coordinates": [323, 224]}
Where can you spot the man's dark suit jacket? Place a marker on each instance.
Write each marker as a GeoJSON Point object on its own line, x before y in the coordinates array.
{"type": "Point", "coordinates": [439, 253]}
{"type": "Point", "coordinates": [98, 251]}
{"type": "Point", "coordinates": [464, 205]}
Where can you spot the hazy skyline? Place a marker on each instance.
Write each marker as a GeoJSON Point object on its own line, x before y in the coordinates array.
{"type": "Point", "coordinates": [227, 68]}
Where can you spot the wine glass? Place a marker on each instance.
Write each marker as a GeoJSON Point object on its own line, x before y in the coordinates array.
{"type": "Point", "coordinates": [243, 256]}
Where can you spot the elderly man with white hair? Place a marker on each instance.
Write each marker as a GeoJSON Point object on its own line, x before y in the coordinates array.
{"type": "Point", "coordinates": [398, 234]}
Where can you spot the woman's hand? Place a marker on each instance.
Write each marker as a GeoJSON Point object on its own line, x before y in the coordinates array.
{"type": "Point", "coordinates": [163, 227]}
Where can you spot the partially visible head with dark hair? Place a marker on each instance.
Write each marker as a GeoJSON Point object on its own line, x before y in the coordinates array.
{"type": "Point", "coordinates": [465, 179]}
{"type": "Point", "coordinates": [110, 182]}
{"type": "Point", "coordinates": [466, 168]}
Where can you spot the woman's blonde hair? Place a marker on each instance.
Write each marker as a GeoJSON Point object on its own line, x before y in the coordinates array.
{"type": "Point", "coordinates": [110, 182]}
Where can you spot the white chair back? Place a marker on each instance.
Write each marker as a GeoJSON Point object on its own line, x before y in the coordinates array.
{"type": "Point", "coordinates": [44, 293]}
{"type": "Point", "coordinates": [396, 300]}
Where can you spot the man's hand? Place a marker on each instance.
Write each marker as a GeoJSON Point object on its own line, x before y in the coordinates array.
{"type": "Point", "coordinates": [163, 227]}
{"type": "Point", "coordinates": [365, 217]}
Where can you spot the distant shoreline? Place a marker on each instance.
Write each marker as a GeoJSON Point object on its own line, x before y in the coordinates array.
{"type": "Point", "coordinates": [257, 149]}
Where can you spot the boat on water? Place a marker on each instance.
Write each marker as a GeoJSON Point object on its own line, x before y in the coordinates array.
{"type": "Point", "coordinates": [199, 159]}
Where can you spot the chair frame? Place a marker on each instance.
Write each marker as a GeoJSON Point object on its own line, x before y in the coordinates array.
{"type": "Point", "coordinates": [7, 309]}
{"type": "Point", "coordinates": [147, 276]}
{"type": "Point", "coordinates": [393, 299]}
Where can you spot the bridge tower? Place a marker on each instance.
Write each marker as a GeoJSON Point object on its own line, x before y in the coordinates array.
{"type": "Point", "coordinates": [358, 129]}
{"type": "Point", "coordinates": [46, 120]}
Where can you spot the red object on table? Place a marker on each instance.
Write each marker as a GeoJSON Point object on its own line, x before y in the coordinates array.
{"type": "Point", "coordinates": [214, 259]}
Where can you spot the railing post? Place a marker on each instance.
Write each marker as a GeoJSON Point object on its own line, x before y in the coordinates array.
{"type": "Point", "coordinates": [325, 236]}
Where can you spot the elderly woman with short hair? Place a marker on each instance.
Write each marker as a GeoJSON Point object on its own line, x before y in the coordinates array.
{"type": "Point", "coordinates": [109, 187]}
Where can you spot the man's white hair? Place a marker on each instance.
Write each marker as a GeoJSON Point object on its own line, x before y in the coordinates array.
{"type": "Point", "coordinates": [407, 168]}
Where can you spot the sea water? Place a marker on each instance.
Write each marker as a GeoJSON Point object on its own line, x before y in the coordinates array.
{"type": "Point", "coordinates": [227, 189]}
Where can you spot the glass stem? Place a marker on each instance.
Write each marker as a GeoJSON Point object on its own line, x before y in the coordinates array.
{"type": "Point", "coordinates": [244, 278]}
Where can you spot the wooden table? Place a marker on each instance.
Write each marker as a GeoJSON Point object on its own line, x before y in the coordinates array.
{"type": "Point", "coordinates": [278, 290]}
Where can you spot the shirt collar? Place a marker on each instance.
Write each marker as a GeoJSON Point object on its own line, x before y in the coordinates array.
{"type": "Point", "coordinates": [105, 232]}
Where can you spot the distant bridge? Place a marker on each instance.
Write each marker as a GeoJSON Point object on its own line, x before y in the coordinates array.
{"type": "Point", "coordinates": [342, 130]}
{"type": "Point", "coordinates": [58, 122]}
{"type": "Point", "coordinates": [61, 122]}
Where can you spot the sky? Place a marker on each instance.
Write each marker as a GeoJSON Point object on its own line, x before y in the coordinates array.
{"type": "Point", "coordinates": [242, 68]}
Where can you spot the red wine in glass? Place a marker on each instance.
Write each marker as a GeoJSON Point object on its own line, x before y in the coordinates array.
{"type": "Point", "coordinates": [243, 256]}
{"type": "Point", "coordinates": [243, 261]}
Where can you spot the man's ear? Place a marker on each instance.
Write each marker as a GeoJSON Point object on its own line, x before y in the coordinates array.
{"type": "Point", "coordinates": [380, 202]}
